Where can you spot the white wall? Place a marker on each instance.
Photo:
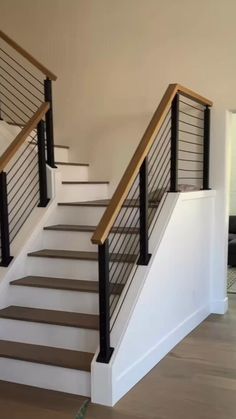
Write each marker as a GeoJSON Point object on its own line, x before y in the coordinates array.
{"type": "Point", "coordinates": [176, 294]}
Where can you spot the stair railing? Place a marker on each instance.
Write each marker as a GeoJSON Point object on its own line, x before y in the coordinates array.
{"type": "Point", "coordinates": [26, 107]}
{"type": "Point", "coordinates": [25, 84]}
{"type": "Point", "coordinates": [172, 156]}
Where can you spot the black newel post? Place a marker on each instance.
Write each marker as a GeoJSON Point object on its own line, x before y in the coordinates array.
{"type": "Point", "coordinates": [4, 222]}
{"type": "Point", "coordinates": [43, 195]}
{"type": "Point", "coordinates": [174, 144]}
{"type": "Point", "coordinates": [49, 123]}
{"type": "Point", "coordinates": [144, 256]}
{"type": "Point", "coordinates": [206, 148]}
{"type": "Point", "coordinates": [104, 306]}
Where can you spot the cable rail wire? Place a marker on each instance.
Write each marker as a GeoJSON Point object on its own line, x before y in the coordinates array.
{"type": "Point", "coordinates": [169, 166]}
{"type": "Point", "coordinates": [25, 104]}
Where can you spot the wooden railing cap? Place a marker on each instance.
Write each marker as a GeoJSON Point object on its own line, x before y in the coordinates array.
{"type": "Point", "coordinates": [23, 134]}
{"type": "Point", "coordinates": [28, 56]}
{"type": "Point", "coordinates": [192, 95]}
{"type": "Point", "coordinates": [123, 188]}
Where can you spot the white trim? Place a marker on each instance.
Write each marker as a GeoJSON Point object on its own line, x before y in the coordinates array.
{"type": "Point", "coordinates": [138, 369]}
{"type": "Point", "coordinates": [220, 306]}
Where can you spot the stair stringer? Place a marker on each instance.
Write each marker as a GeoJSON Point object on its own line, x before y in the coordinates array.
{"type": "Point", "coordinates": [165, 300]}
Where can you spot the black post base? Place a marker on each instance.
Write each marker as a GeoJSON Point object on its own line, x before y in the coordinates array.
{"type": "Point", "coordinates": [177, 191]}
{"type": "Point", "coordinates": [144, 260]}
{"type": "Point", "coordinates": [52, 167]}
{"type": "Point", "coordinates": [43, 204]}
{"type": "Point", "coordinates": [6, 263]}
{"type": "Point", "coordinates": [105, 358]}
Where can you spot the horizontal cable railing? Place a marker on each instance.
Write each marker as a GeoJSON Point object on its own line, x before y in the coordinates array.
{"type": "Point", "coordinates": [191, 143]}
{"type": "Point", "coordinates": [23, 182]}
{"type": "Point", "coordinates": [24, 85]}
{"type": "Point", "coordinates": [26, 114]}
{"type": "Point", "coordinates": [172, 156]}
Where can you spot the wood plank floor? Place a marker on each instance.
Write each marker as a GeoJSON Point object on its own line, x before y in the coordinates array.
{"type": "Point", "coordinates": [197, 380]}
{"type": "Point", "coordinates": [23, 402]}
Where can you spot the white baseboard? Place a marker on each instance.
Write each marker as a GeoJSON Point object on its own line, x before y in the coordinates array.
{"type": "Point", "coordinates": [140, 368]}
{"type": "Point", "coordinates": [219, 306]}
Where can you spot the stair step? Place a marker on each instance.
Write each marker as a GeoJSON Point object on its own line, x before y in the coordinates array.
{"type": "Point", "coordinates": [90, 229]}
{"type": "Point", "coordinates": [80, 255]}
{"type": "Point", "coordinates": [84, 182]}
{"type": "Point", "coordinates": [105, 203]}
{"type": "Point", "coordinates": [62, 146]}
{"type": "Point", "coordinates": [64, 163]}
{"type": "Point", "coordinates": [64, 284]}
{"type": "Point", "coordinates": [55, 145]}
{"type": "Point", "coordinates": [16, 124]}
{"type": "Point", "coordinates": [60, 318]}
{"type": "Point", "coordinates": [65, 358]}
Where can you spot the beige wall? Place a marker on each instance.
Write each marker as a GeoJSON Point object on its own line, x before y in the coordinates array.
{"type": "Point", "coordinates": [114, 59]}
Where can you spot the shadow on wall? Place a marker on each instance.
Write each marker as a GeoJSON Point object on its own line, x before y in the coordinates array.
{"type": "Point", "coordinates": [114, 144]}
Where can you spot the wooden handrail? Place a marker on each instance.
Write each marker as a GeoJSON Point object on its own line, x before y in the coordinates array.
{"type": "Point", "coordinates": [21, 137]}
{"type": "Point", "coordinates": [28, 56]}
{"type": "Point", "coordinates": [123, 188]}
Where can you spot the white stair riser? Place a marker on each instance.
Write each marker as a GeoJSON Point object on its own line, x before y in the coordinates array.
{"type": "Point", "coordinates": [49, 335]}
{"type": "Point", "coordinates": [76, 215]}
{"type": "Point", "coordinates": [70, 173]}
{"type": "Point", "coordinates": [46, 376]}
{"type": "Point", "coordinates": [62, 268]}
{"type": "Point", "coordinates": [71, 240]}
{"type": "Point", "coordinates": [61, 154]}
{"type": "Point", "coordinates": [80, 192]}
{"type": "Point", "coordinates": [62, 300]}
{"type": "Point", "coordinates": [91, 216]}
{"type": "Point", "coordinates": [65, 268]}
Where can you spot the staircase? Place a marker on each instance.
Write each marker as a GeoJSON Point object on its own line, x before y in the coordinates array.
{"type": "Point", "coordinates": [52, 322]}
{"type": "Point", "coordinates": [68, 307]}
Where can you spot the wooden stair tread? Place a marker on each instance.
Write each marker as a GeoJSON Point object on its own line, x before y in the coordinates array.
{"type": "Point", "coordinates": [85, 182]}
{"type": "Point", "coordinates": [90, 229]}
{"type": "Point", "coordinates": [105, 203]}
{"type": "Point", "coordinates": [60, 318]}
{"type": "Point", "coordinates": [64, 284]}
{"type": "Point", "coordinates": [80, 255]}
{"type": "Point", "coordinates": [55, 145]}
{"type": "Point", "coordinates": [59, 357]}
{"type": "Point", "coordinates": [61, 146]}
{"type": "Point", "coordinates": [16, 124]}
{"type": "Point", "coordinates": [65, 163]}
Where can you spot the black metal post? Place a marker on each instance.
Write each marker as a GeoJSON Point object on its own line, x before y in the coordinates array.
{"type": "Point", "coordinates": [104, 306]}
{"type": "Point", "coordinates": [174, 144]}
{"type": "Point", "coordinates": [49, 123]}
{"type": "Point", "coordinates": [144, 256]}
{"type": "Point", "coordinates": [43, 196]}
{"type": "Point", "coordinates": [206, 148]}
{"type": "Point", "coordinates": [4, 222]}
